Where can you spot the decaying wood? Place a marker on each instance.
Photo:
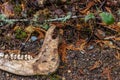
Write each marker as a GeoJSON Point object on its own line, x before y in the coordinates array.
{"type": "Point", "coordinates": [45, 63]}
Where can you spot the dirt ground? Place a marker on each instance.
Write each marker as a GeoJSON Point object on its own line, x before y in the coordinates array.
{"type": "Point", "coordinates": [93, 55]}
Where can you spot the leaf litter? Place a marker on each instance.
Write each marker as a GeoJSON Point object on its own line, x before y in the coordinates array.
{"type": "Point", "coordinates": [77, 61]}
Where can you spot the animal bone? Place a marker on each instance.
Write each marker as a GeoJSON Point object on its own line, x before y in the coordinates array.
{"type": "Point", "coordinates": [44, 63]}
{"type": "Point", "coordinates": [12, 56]}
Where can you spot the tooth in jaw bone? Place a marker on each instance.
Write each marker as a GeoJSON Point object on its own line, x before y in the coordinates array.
{"type": "Point", "coordinates": [11, 56]}
{"type": "Point", "coordinates": [1, 54]}
{"type": "Point", "coordinates": [40, 65]}
{"type": "Point", "coordinates": [26, 57]}
{"type": "Point", "coordinates": [18, 56]}
{"type": "Point", "coordinates": [22, 56]}
{"type": "Point", "coordinates": [29, 57]}
{"type": "Point", "coordinates": [15, 56]}
{"type": "Point", "coordinates": [6, 56]}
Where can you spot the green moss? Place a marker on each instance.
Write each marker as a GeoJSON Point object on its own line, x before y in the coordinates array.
{"type": "Point", "coordinates": [17, 9]}
{"type": "Point", "coordinates": [20, 34]}
{"type": "Point", "coordinates": [54, 77]}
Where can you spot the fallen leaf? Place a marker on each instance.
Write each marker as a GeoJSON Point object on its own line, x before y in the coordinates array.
{"type": "Point", "coordinates": [115, 27]}
{"type": "Point", "coordinates": [80, 45]}
{"type": "Point", "coordinates": [89, 5]}
{"type": "Point", "coordinates": [7, 9]}
{"type": "Point", "coordinates": [62, 51]}
{"type": "Point", "coordinates": [41, 35]}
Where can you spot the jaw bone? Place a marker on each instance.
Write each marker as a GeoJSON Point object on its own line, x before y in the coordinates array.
{"type": "Point", "coordinates": [47, 61]}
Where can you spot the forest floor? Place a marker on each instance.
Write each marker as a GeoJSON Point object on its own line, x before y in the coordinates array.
{"type": "Point", "coordinates": [89, 50]}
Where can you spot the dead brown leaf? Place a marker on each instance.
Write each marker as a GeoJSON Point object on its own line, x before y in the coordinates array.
{"type": "Point", "coordinates": [80, 45]}
{"type": "Point", "coordinates": [115, 27]}
{"type": "Point", "coordinates": [88, 6]}
{"type": "Point", "coordinates": [7, 9]}
{"type": "Point", "coordinates": [64, 47]}
{"type": "Point", "coordinates": [41, 35]}
{"type": "Point", "coordinates": [62, 51]}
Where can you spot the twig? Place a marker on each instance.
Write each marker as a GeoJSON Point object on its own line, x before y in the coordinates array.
{"type": "Point", "coordinates": [102, 4]}
{"type": "Point", "coordinates": [49, 20]}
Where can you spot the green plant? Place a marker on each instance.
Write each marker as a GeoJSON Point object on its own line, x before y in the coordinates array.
{"type": "Point", "coordinates": [20, 34]}
{"type": "Point", "coordinates": [17, 9]}
{"type": "Point", "coordinates": [54, 77]}
{"type": "Point", "coordinates": [89, 16]}
{"type": "Point", "coordinates": [69, 14]}
{"type": "Point", "coordinates": [3, 18]}
{"type": "Point", "coordinates": [107, 18]}
{"type": "Point", "coordinates": [45, 26]}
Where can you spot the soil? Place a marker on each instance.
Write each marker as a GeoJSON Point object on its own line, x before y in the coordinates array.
{"type": "Point", "coordinates": [97, 61]}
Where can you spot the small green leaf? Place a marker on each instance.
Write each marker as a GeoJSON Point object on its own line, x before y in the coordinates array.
{"type": "Point", "coordinates": [89, 16]}
{"type": "Point", "coordinates": [2, 17]}
{"type": "Point", "coordinates": [45, 26]}
{"type": "Point", "coordinates": [107, 18]}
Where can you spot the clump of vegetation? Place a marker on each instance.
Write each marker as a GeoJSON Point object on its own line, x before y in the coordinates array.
{"type": "Point", "coordinates": [3, 18]}
{"type": "Point", "coordinates": [54, 77]}
{"type": "Point", "coordinates": [89, 16]}
{"type": "Point", "coordinates": [45, 26]}
{"type": "Point", "coordinates": [20, 34]}
{"type": "Point", "coordinates": [17, 9]}
{"type": "Point", "coordinates": [106, 17]}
